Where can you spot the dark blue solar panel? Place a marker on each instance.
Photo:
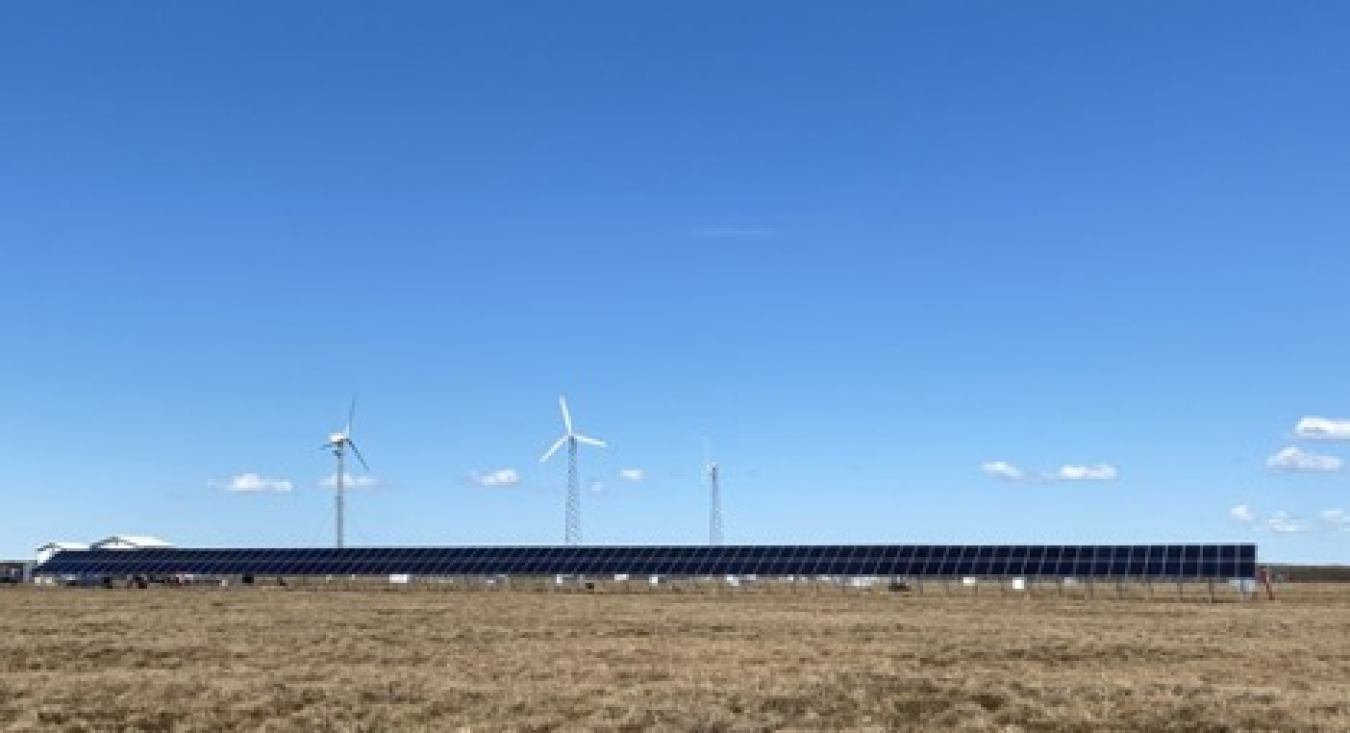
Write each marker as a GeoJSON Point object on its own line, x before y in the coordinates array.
{"type": "Point", "coordinates": [1100, 561]}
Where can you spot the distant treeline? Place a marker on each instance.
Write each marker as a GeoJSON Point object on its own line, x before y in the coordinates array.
{"type": "Point", "coordinates": [1311, 573]}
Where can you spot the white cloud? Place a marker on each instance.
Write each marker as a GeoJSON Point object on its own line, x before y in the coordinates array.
{"type": "Point", "coordinates": [597, 487]}
{"type": "Point", "coordinates": [1322, 428]}
{"type": "Point", "coordinates": [252, 483]}
{"type": "Point", "coordinates": [1004, 471]}
{"type": "Point", "coordinates": [1337, 519]}
{"type": "Point", "coordinates": [632, 474]}
{"type": "Point", "coordinates": [502, 478]}
{"type": "Point", "coordinates": [350, 481]}
{"type": "Point", "coordinates": [1286, 523]}
{"type": "Point", "coordinates": [1301, 461]}
{"type": "Point", "coordinates": [1283, 522]}
{"type": "Point", "coordinates": [1097, 472]}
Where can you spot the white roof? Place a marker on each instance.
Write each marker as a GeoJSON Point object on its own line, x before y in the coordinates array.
{"type": "Point", "coordinates": [63, 546]}
{"type": "Point", "coordinates": [131, 540]}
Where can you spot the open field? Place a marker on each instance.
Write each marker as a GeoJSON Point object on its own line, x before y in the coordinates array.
{"type": "Point", "coordinates": [270, 659]}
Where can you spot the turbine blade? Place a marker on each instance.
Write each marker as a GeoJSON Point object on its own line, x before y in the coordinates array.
{"type": "Point", "coordinates": [567, 416]}
{"type": "Point", "coordinates": [357, 452]}
{"type": "Point", "coordinates": [554, 449]}
{"type": "Point", "coordinates": [591, 441]}
{"type": "Point", "coordinates": [707, 451]}
{"type": "Point", "coordinates": [351, 416]}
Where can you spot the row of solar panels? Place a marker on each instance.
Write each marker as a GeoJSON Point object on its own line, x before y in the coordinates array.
{"type": "Point", "coordinates": [1172, 561]}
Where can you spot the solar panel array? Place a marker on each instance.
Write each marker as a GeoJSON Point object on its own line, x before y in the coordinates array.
{"type": "Point", "coordinates": [1093, 561]}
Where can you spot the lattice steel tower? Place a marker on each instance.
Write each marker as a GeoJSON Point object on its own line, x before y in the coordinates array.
{"type": "Point", "coordinates": [570, 437]}
{"type": "Point", "coordinates": [715, 520]}
{"type": "Point", "coordinates": [712, 473]}
{"type": "Point", "coordinates": [339, 443]}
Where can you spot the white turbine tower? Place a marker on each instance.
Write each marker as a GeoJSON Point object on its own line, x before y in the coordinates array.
{"type": "Point", "coordinates": [571, 438]}
{"type": "Point", "coordinates": [339, 443]}
{"type": "Point", "coordinates": [710, 469]}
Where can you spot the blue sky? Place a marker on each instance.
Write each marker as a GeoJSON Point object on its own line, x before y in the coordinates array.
{"type": "Point", "coordinates": [924, 272]}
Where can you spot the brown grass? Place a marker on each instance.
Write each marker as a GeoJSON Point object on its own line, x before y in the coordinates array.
{"type": "Point", "coordinates": [267, 659]}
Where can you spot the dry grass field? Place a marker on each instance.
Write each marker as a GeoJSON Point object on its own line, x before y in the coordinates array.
{"type": "Point", "coordinates": [271, 659]}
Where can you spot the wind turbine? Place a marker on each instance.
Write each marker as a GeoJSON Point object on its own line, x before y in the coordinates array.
{"type": "Point", "coordinates": [715, 490]}
{"type": "Point", "coordinates": [339, 442]}
{"type": "Point", "coordinates": [571, 438]}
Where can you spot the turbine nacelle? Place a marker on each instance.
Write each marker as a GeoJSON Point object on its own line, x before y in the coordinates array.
{"type": "Point", "coordinates": [341, 440]}
{"type": "Point", "coordinates": [709, 465]}
{"type": "Point", "coordinates": [570, 435]}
